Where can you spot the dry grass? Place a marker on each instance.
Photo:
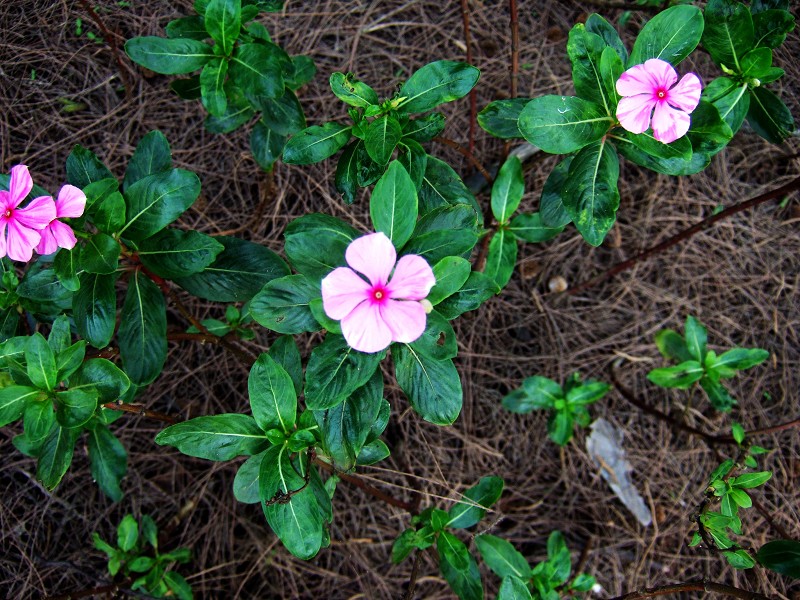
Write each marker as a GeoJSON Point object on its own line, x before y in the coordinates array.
{"type": "Point", "coordinates": [740, 278]}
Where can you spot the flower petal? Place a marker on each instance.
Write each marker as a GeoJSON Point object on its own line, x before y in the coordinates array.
{"type": "Point", "coordinates": [47, 244]}
{"type": "Point", "coordinates": [63, 234]}
{"type": "Point", "coordinates": [365, 330]}
{"type": "Point", "coordinates": [412, 279]}
{"type": "Point", "coordinates": [633, 112]}
{"type": "Point", "coordinates": [686, 95]}
{"type": "Point", "coordinates": [38, 214]}
{"type": "Point", "coordinates": [669, 124]}
{"type": "Point", "coordinates": [342, 291]}
{"type": "Point", "coordinates": [372, 255]}
{"type": "Point", "coordinates": [21, 241]}
{"type": "Point", "coordinates": [71, 202]}
{"type": "Point", "coordinates": [636, 80]}
{"type": "Point", "coordinates": [2, 239]}
{"type": "Point", "coordinates": [405, 319]}
{"type": "Point", "coordinates": [20, 184]}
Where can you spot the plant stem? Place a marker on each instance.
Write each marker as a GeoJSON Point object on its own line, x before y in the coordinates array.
{"type": "Point", "coordinates": [693, 586]}
{"type": "Point", "coordinates": [112, 42]}
{"type": "Point", "coordinates": [412, 580]}
{"type": "Point", "coordinates": [514, 23]}
{"type": "Point", "coordinates": [138, 409]}
{"type": "Point", "coordinates": [466, 154]}
{"type": "Point", "coordinates": [103, 589]}
{"type": "Point", "coordinates": [360, 483]}
{"type": "Point", "coordinates": [687, 233]}
{"type": "Point", "coordinates": [473, 101]}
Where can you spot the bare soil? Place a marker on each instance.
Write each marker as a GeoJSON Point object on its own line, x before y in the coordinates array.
{"type": "Point", "coordinates": [741, 278]}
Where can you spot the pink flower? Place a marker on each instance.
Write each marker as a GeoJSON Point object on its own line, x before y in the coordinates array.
{"type": "Point", "coordinates": [376, 313]}
{"type": "Point", "coordinates": [71, 203]}
{"type": "Point", "coordinates": [22, 223]}
{"type": "Point", "coordinates": [652, 86]}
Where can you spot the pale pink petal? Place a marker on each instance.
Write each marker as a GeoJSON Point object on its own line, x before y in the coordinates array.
{"type": "Point", "coordinates": [2, 239]}
{"type": "Point", "coordinates": [669, 124]}
{"type": "Point", "coordinates": [20, 185]}
{"type": "Point", "coordinates": [633, 112]}
{"type": "Point", "coordinates": [6, 201]}
{"type": "Point", "coordinates": [686, 95]}
{"type": "Point", "coordinates": [38, 214]}
{"type": "Point", "coordinates": [47, 244]}
{"type": "Point", "coordinates": [372, 255]}
{"type": "Point", "coordinates": [662, 73]}
{"type": "Point", "coordinates": [412, 279]}
{"type": "Point", "coordinates": [636, 80]}
{"type": "Point", "coordinates": [21, 241]}
{"type": "Point", "coordinates": [71, 202]}
{"type": "Point", "coordinates": [406, 320]}
{"type": "Point", "coordinates": [342, 291]}
{"type": "Point", "coordinates": [365, 330]}
{"type": "Point", "coordinates": [63, 234]}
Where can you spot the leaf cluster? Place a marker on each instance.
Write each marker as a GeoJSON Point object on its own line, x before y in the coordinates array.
{"type": "Point", "coordinates": [149, 569]}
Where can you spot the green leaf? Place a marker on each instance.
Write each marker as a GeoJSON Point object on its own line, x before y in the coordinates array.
{"type": "Point", "coordinates": [127, 533]}
{"type": "Point", "coordinates": [671, 36]}
{"type": "Point", "coordinates": [142, 335]}
{"type": "Point", "coordinates": [459, 568]}
{"type": "Point", "coordinates": [611, 68]}
{"type": "Point", "coordinates": [109, 216]}
{"type": "Point", "coordinates": [740, 498]}
{"type": "Point", "coordinates": [771, 27]}
{"type": "Point", "coordinates": [284, 351]}
{"type": "Point", "coordinates": [55, 455]}
{"type": "Point", "coordinates": [507, 190]}
{"type": "Point", "coordinates": [451, 273]}
{"type": "Point", "coordinates": [501, 557]}
{"type": "Point", "coordinates": [335, 371]}
{"type": "Point", "coordinates": [728, 32]}
{"type": "Point", "coordinates": [414, 160]}
{"type": "Point", "coordinates": [42, 285]}
{"type": "Point", "coordinates": [217, 437]}
{"type": "Point", "coordinates": [157, 200]}
{"type": "Point", "coordinates": [563, 124]}
{"type": "Point", "coordinates": [756, 63]}
{"type": "Point", "coordinates": [599, 26]}
{"type": "Point", "coordinates": [672, 345]}
{"type": "Point", "coordinates": [104, 376]}
{"type": "Point", "coordinates": [530, 227]}
{"type": "Point", "coordinates": [223, 20]}
{"type": "Point", "coordinates": [65, 266]}
{"type": "Point", "coordinates": [345, 427]}
{"type": "Point", "coordinates": [559, 427]}
{"type": "Point", "coordinates": [584, 50]}
{"type": "Point", "coordinates": [373, 452]}
{"type": "Point", "coordinates": [782, 556]}
{"type": "Point", "coordinates": [83, 168]}
{"type": "Point", "coordinates": [476, 499]}
{"type": "Point", "coordinates": [730, 99]}
{"type": "Point", "coordinates": [353, 92]}
{"type": "Point", "coordinates": [393, 205]}
{"type": "Point", "coordinates": [109, 461]}
{"type": "Point", "coordinates": [169, 56]}
{"type": "Point", "coordinates": [272, 396]}
{"type": "Point", "coordinates": [536, 393]}
{"type": "Point", "coordinates": [404, 545]}
{"type": "Point", "coordinates": [559, 557]}
{"type": "Point", "coordinates": [316, 143]}
{"type": "Point", "coordinates": [681, 376]}
{"type": "Point", "coordinates": [739, 359]}
{"type": "Point", "coordinates": [212, 90]}
{"type": "Point", "coordinates": [38, 421]}
{"type": "Point", "coordinates": [246, 482]}
{"type": "Point", "coordinates": [237, 113]}
{"type": "Point", "coordinates": [173, 253]}
{"type": "Point", "coordinates": [500, 117]}
{"type": "Point", "coordinates": [477, 289]}
{"type": "Point", "coordinates": [237, 273]}
{"type": "Point", "coordinates": [679, 151]}
{"type": "Point", "coordinates": [257, 69]}
{"type": "Point", "coordinates": [432, 386]}
{"type": "Point", "coordinates": [587, 393]}
{"type": "Point", "coordinates": [100, 254]}
{"type": "Point", "coordinates": [41, 362]}
{"type": "Point", "coordinates": [738, 432]}
{"type": "Point", "coordinates": [551, 205]}
{"type": "Point", "coordinates": [316, 243]}
{"type": "Point", "coordinates": [282, 305]}
{"type": "Point", "coordinates": [696, 338]}
{"type": "Point", "coordinates": [188, 88]}
{"type": "Point", "coordinates": [750, 480]}
{"type": "Point", "coordinates": [296, 521]}
{"type": "Point", "coordinates": [513, 588]}
{"type": "Point", "coordinates": [718, 395]}
{"type": "Point", "coordinates": [739, 559]}
{"type": "Point", "coordinates": [769, 116]}
{"type": "Point", "coordinates": [590, 195]}
{"type": "Point", "coordinates": [435, 245]}
{"type": "Point", "coordinates": [425, 128]}
{"type": "Point", "coordinates": [76, 407]}
{"type": "Point", "coordinates": [152, 155]}
{"type": "Point", "coordinates": [438, 341]}
{"type": "Point", "coordinates": [442, 186]}
{"type": "Point", "coordinates": [266, 145]}
{"type": "Point", "coordinates": [192, 28]}
{"type": "Point", "coordinates": [436, 83]}
{"type": "Point", "coordinates": [502, 257]}
{"type": "Point", "coordinates": [346, 179]}
{"type": "Point", "coordinates": [382, 137]}
{"type": "Point", "coordinates": [13, 400]}
{"type": "Point", "coordinates": [94, 308]}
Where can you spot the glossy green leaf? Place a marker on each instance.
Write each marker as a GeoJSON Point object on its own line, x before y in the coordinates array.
{"type": "Point", "coordinates": [563, 124]}
{"type": "Point", "coordinates": [551, 205]}
{"type": "Point", "coordinates": [451, 273]}
{"type": "Point", "coordinates": [501, 557]}
{"type": "Point", "coordinates": [346, 179]}
{"type": "Point", "coordinates": [529, 227]}
{"type": "Point", "coordinates": [38, 421]}
{"type": "Point", "coordinates": [459, 568]}
{"type": "Point", "coordinates": [536, 393]}
{"type": "Point", "coordinates": [266, 145]}
{"type": "Point", "coordinates": [441, 186]}
{"type": "Point", "coordinates": [432, 386]}
{"type": "Point", "coordinates": [316, 143]}
{"type": "Point", "coordinates": [599, 26]}
{"type": "Point", "coordinates": [502, 257]}
{"type": "Point", "coordinates": [142, 335]}
{"type": "Point", "coordinates": [585, 50]}
{"type": "Point", "coordinates": [238, 112]}
{"type": "Point", "coordinates": [477, 499]}
{"type": "Point", "coordinates": [65, 266]}
{"type": "Point", "coordinates": [750, 480]}
{"type": "Point", "coordinates": [257, 69]}
{"type": "Point", "coordinates": [393, 205]}
{"type": "Point", "coordinates": [769, 116]}
{"type": "Point", "coordinates": [671, 35]}
{"type": "Point", "coordinates": [109, 216]}
{"type": "Point", "coordinates": [237, 273]}
{"type": "Point", "coordinates": [476, 290]}
{"type": "Point", "coordinates": [438, 340]}
{"type": "Point", "coordinates": [217, 437]}
{"type": "Point", "coordinates": [272, 396]}
{"type": "Point", "coordinates": [717, 394]}
{"type": "Point", "coordinates": [223, 20]}
{"type": "Point", "coordinates": [169, 56]}
{"type": "Point", "coordinates": [782, 556]}
{"type": "Point", "coordinates": [173, 253]}
{"type": "Point", "coordinates": [76, 406]}
{"type": "Point", "coordinates": [414, 160]}
{"type": "Point", "coordinates": [500, 118]}
{"type": "Point", "coordinates": [316, 243]}
{"type": "Point", "coordinates": [681, 376]}
{"type": "Point", "coordinates": [108, 459]}
{"type": "Point", "coordinates": [672, 345]}
{"type": "Point", "coordinates": [94, 308]}
{"type": "Point", "coordinates": [192, 28]}
{"type": "Point", "coordinates": [13, 400]}
{"type": "Point", "coordinates": [353, 92]}
{"type": "Point", "coordinates": [55, 455]}
{"type": "Point", "coordinates": [40, 362]}
{"type": "Point", "coordinates": [100, 255]}
{"type": "Point", "coordinates": [212, 86]}
{"type": "Point", "coordinates": [382, 137]}
{"type": "Point", "coordinates": [436, 83]}
{"type": "Point", "coordinates": [425, 128]}
{"type": "Point", "coordinates": [282, 305]}
{"type": "Point", "coordinates": [83, 168]}
{"type": "Point", "coordinates": [507, 190]}
{"type": "Point", "coordinates": [157, 200]}
{"type": "Point", "coordinates": [246, 482]}
{"type": "Point", "coordinates": [728, 32]}
{"type": "Point", "coordinates": [771, 26]}
{"type": "Point", "coordinates": [284, 351]}
{"type": "Point", "coordinates": [283, 115]}
{"type": "Point", "coordinates": [513, 588]}
{"type": "Point", "coordinates": [152, 155]}
{"type": "Point", "coordinates": [740, 359]}
{"type": "Point", "coordinates": [696, 338]}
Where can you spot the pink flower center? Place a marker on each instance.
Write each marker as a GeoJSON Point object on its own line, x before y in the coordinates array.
{"type": "Point", "coordinates": [9, 213]}
{"type": "Point", "coordinates": [378, 294]}
{"type": "Point", "coordinates": [661, 93]}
